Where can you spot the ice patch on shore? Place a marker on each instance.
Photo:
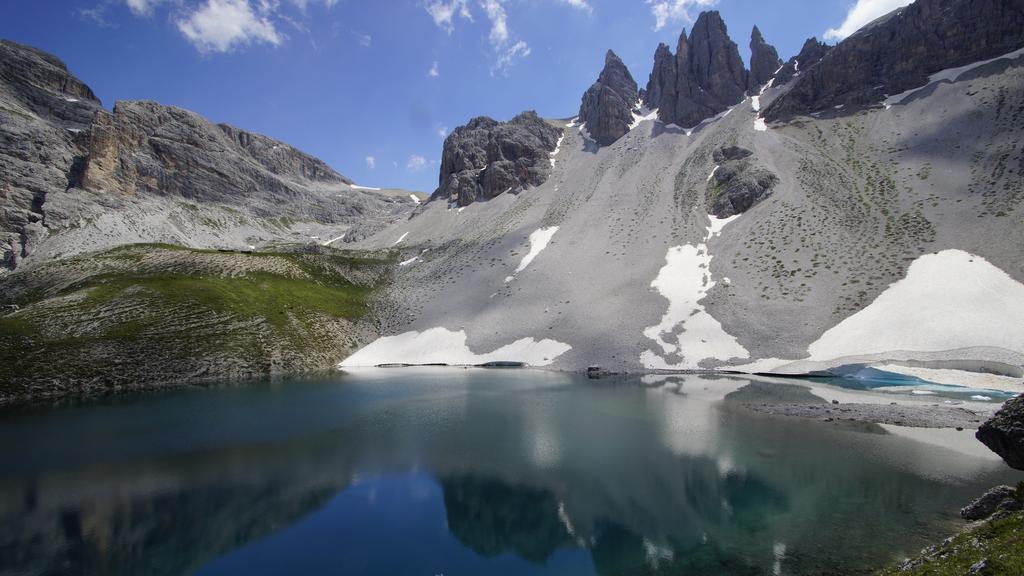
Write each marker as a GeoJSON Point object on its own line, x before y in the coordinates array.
{"type": "Point", "coordinates": [947, 301]}
{"type": "Point", "coordinates": [443, 346]}
{"type": "Point", "coordinates": [687, 330]}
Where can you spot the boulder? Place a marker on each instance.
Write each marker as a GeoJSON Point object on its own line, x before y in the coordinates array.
{"type": "Point", "coordinates": [607, 107]}
{"type": "Point", "coordinates": [998, 498]}
{"type": "Point", "coordinates": [1004, 432]}
{"type": "Point", "coordinates": [739, 182]}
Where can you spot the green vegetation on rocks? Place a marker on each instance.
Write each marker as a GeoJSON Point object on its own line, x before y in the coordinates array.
{"type": "Point", "coordinates": [157, 315]}
{"type": "Point", "coordinates": [992, 547]}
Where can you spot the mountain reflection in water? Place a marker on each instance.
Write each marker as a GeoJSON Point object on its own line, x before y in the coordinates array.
{"type": "Point", "coordinates": [465, 472]}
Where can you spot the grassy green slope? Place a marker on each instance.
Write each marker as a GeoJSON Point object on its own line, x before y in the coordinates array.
{"type": "Point", "coordinates": [152, 315]}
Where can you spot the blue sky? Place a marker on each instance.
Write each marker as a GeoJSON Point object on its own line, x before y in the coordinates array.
{"type": "Point", "coordinates": [355, 80]}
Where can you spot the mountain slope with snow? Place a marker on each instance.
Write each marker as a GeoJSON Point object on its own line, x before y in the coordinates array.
{"type": "Point", "coordinates": [870, 205]}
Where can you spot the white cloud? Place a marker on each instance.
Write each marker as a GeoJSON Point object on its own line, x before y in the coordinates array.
{"type": "Point", "coordinates": [578, 4]}
{"type": "Point", "coordinates": [499, 21]}
{"type": "Point", "coordinates": [442, 132]}
{"type": "Point", "coordinates": [220, 25]}
{"type": "Point", "coordinates": [434, 72]}
{"type": "Point", "coordinates": [861, 13]}
{"type": "Point", "coordinates": [364, 39]}
{"type": "Point", "coordinates": [444, 13]}
{"type": "Point", "coordinates": [142, 7]}
{"type": "Point", "coordinates": [371, 162]}
{"type": "Point", "coordinates": [666, 11]}
{"type": "Point", "coordinates": [508, 57]}
{"type": "Point", "coordinates": [303, 4]}
{"type": "Point", "coordinates": [416, 163]}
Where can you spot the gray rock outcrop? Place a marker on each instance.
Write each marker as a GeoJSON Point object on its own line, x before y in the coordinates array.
{"type": "Point", "coordinates": [607, 107]}
{"type": "Point", "coordinates": [764, 62]}
{"type": "Point", "coordinates": [901, 50]}
{"type": "Point", "coordinates": [704, 78]}
{"type": "Point", "coordinates": [486, 158]}
{"type": "Point", "coordinates": [810, 54]}
{"type": "Point", "coordinates": [998, 498]}
{"type": "Point", "coordinates": [1004, 432]}
{"type": "Point", "coordinates": [739, 182]}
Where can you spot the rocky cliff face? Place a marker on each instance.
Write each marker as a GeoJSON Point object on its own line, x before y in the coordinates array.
{"type": "Point", "coordinates": [66, 163]}
{"type": "Point", "coordinates": [764, 62]}
{"type": "Point", "coordinates": [147, 148]}
{"type": "Point", "coordinates": [901, 50]}
{"type": "Point", "coordinates": [43, 110]}
{"type": "Point", "coordinates": [810, 54]}
{"type": "Point", "coordinates": [486, 158]}
{"type": "Point", "coordinates": [607, 108]}
{"type": "Point", "coordinates": [705, 77]}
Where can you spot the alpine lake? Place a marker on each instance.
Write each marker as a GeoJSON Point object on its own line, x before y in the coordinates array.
{"type": "Point", "coordinates": [445, 471]}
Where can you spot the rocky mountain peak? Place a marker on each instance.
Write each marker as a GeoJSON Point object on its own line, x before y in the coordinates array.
{"type": "Point", "coordinates": [486, 158]}
{"type": "Point", "coordinates": [705, 77]}
{"type": "Point", "coordinates": [900, 51]}
{"type": "Point", "coordinates": [607, 106]}
{"type": "Point", "coordinates": [810, 54]}
{"type": "Point", "coordinates": [764, 62]}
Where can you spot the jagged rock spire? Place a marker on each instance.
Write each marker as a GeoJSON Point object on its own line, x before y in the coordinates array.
{"type": "Point", "coordinates": [705, 77]}
{"type": "Point", "coordinates": [607, 107]}
{"type": "Point", "coordinates": [764, 62]}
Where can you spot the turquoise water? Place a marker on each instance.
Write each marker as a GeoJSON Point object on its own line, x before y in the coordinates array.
{"type": "Point", "coordinates": [465, 472]}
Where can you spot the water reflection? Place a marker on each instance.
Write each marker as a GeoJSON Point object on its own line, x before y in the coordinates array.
{"type": "Point", "coordinates": [465, 472]}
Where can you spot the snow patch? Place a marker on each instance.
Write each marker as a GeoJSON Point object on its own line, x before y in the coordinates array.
{"type": "Point", "coordinates": [558, 147]}
{"type": "Point", "coordinates": [759, 125]}
{"type": "Point", "coordinates": [539, 240]}
{"type": "Point", "coordinates": [687, 330]}
{"type": "Point", "coordinates": [443, 346]}
{"type": "Point", "coordinates": [333, 240]}
{"type": "Point", "coordinates": [399, 241]}
{"type": "Point", "coordinates": [948, 75]}
{"type": "Point", "coordinates": [358, 187]}
{"type": "Point", "coordinates": [644, 114]}
{"type": "Point", "coordinates": [409, 261]}
{"type": "Point", "coordinates": [415, 200]}
{"type": "Point", "coordinates": [755, 103]}
{"type": "Point", "coordinates": [712, 175]}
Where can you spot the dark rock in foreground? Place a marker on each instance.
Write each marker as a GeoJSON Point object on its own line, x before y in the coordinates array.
{"type": "Point", "coordinates": [486, 158]}
{"type": "Point", "coordinates": [607, 107]}
{"type": "Point", "coordinates": [998, 498]}
{"type": "Point", "coordinates": [1004, 432]}
{"type": "Point", "coordinates": [764, 62]}
{"type": "Point", "coordinates": [901, 50]}
{"type": "Point", "coordinates": [704, 78]}
{"type": "Point", "coordinates": [739, 183]}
